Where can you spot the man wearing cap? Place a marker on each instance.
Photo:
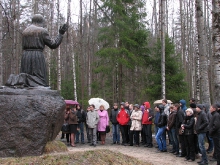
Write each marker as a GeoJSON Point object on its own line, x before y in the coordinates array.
{"type": "Point", "coordinates": [123, 118]}
{"type": "Point", "coordinates": [136, 126]}
{"type": "Point", "coordinates": [201, 129]}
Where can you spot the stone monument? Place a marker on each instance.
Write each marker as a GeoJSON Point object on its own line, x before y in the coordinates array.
{"type": "Point", "coordinates": [31, 113]}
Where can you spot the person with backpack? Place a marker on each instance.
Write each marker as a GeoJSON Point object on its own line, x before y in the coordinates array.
{"type": "Point", "coordinates": [115, 124]}
{"type": "Point", "coordinates": [81, 115]}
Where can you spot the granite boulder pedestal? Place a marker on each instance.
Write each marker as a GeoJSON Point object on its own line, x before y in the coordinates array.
{"type": "Point", "coordinates": [29, 118]}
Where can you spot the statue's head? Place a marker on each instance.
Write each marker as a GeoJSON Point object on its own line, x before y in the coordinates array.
{"type": "Point", "coordinates": [38, 19]}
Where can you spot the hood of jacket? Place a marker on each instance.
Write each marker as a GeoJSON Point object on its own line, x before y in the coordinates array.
{"type": "Point", "coordinates": [183, 106]}
{"type": "Point", "coordinates": [147, 105]}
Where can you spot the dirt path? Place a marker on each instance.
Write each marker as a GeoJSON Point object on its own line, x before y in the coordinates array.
{"type": "Point", "coordinates": [142, 153]}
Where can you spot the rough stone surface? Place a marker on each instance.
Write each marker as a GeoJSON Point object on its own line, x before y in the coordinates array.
{"type": "Point", "coordinates": [29, 119]}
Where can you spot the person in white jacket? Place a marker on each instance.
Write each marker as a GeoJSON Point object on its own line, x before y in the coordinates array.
{"type": "Point", "coordinates": [136, 125]}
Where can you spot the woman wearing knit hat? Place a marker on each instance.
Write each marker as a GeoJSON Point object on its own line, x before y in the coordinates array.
{"type": "Point", "coordinates": [188, 127]}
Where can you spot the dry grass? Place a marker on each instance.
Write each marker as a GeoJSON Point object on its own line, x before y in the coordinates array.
{"type": "Point", "coordinates": [100, 157]}
{"type": "Point", "coordinates": [55, 146]}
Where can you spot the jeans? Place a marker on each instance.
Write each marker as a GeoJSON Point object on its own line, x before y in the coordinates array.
{"type": "Point", "coordinates": [201, 141]}
{"type": "Point", "coordinates": [81, 131]}
{"type": "Point", "coordinates": [170, 137]}
{"type": "Point", "coordinates": [175, 140]}
{"type": "Point", "coordinates": [161, 138]}
{"type": "Point", "coordinates": [115, 133]}
{"type": "Point", "coordinates": [210, 141]}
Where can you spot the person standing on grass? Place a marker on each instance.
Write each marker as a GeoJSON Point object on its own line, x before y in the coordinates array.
{"type": "Point", "coordinates": [214, 130]}
{"type": "Point", "coordinates": [147, 118]}
{"type": "Point", "coordinates": [92, 120]}
{"type": "Point", "coordinates": [103, 123]}
{"type": "Point", "coordinates": [136, 126]}
{"type": "Point", "coordinates": [123, 118]}
{"type": "Point", "coordinates": [115, 124]}
{"type": "Point", "coordinates": [201, 129]}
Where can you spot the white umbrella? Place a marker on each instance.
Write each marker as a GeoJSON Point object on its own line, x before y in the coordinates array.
{"type": "Point", "coordinates": [98, 102]}
{"type": "Point", "coordinates": [160, 101]}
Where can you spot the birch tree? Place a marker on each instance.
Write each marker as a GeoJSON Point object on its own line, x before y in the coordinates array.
{"type": "Point", "coordinates": [216, 48]}
{"type": "Point", "coordinates": [58, 51]}
{"type": "Point", "coordinates": [163, 2]}
{"type": "Point", "coordinates": [203, 62]}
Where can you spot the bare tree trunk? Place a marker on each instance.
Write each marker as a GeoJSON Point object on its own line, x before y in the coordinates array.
{"type": "Point", "coordinates": [58, 52]}
{"type": "Point", "coordinates": [204, 79]}
{"type": "Point", "coordinates": [1, 57]}
{"type": "Point", "coordinates": [35, 6]}
{"type": "Point", "coordinates": [74, 68]}
{"type": "Point", "coordinates": [89, 51]}
{"type": "Point", "coordinates": [81, 51]}
{"type": "Point", "coordinates": [163, 2]}
{"type": "Point", "coordinates": [51, 34]}
{"type": "Point", "coordinates": [155, 18]}
{"type": "Point", "coordinates": [216, 48]}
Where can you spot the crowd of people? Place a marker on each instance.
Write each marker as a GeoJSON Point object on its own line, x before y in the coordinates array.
{"type": "Point", "coordinates": [187, 129]}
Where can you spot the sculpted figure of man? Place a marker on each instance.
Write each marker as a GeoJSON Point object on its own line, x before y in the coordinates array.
{"type": "Point", "coordinates": [33, 71]}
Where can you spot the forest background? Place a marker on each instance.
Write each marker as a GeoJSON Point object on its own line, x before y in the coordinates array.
{"type": "Point", "coordinates": [122, 50]}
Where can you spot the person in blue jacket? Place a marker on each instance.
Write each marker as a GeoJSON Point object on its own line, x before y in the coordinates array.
{"type": "Point", "coordinates": [183, 105]}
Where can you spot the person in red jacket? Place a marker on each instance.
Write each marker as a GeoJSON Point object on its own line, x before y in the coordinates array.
{"type": "Point", "coordinates": [148, 115]}
{"type": "Point", "coordinates": [123, 118]}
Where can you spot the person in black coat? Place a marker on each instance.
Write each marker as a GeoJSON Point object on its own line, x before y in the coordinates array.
{"type": "Point", "coordinates": [188, 128]}
{"type": "Point", "coordinates": [115, 124]}
{"type": "Point", "coordinates": [179, 120]}
{"type": "Point", "coordinates": [201, 129]}
{"type": "Point", "coordinates": [161, 134]}
{"type": "Point", "coordinates": [214, 131]}
{"type": "Point", "coordinates": [81, 115]}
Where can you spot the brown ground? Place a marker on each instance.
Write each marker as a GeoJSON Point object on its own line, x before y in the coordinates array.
{"type": "Point", "coordinates": [149, 155]}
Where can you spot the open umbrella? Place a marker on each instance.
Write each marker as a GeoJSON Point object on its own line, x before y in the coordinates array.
{"type": "Point", "coordinates": [160, 101]}
{"type": "Point", "coordinates": [98, 102]}
{"type": "Point", "coordinates": [71, 102]}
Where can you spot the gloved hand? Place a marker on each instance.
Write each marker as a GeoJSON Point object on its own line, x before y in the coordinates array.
{"type": "Point", "coordinates": [63, 29]}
